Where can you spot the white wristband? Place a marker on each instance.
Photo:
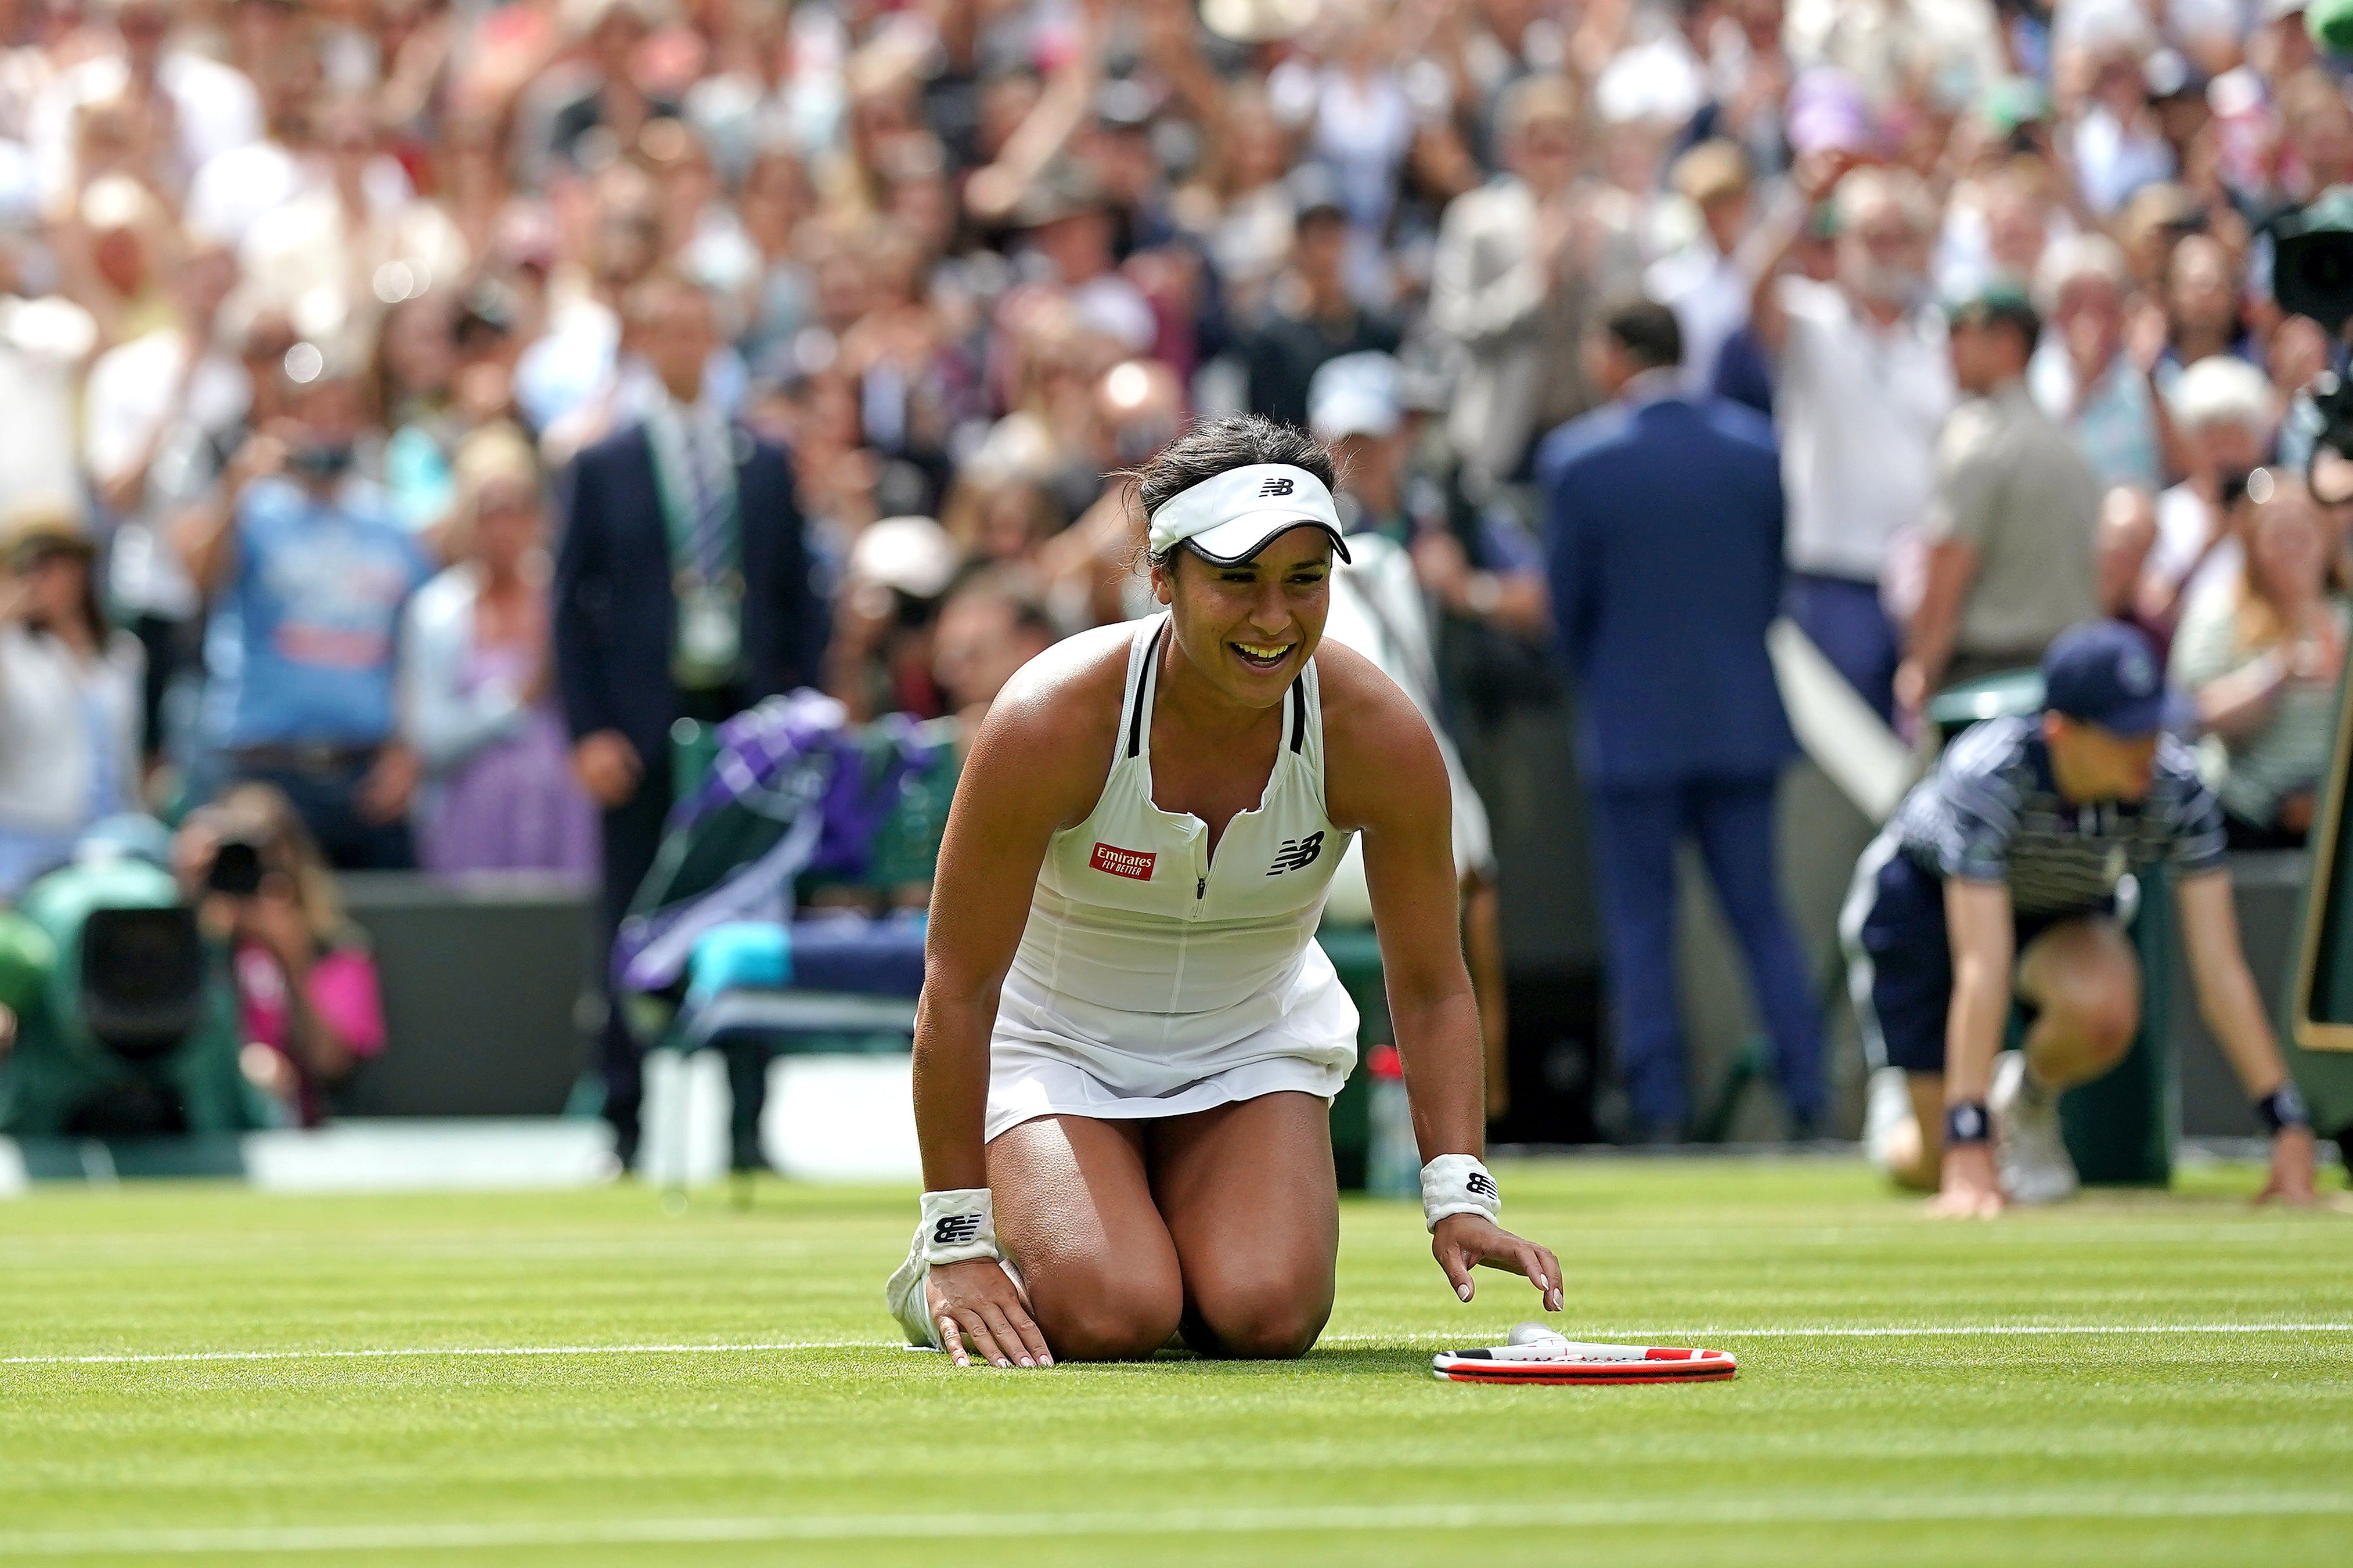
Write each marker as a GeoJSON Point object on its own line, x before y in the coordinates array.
{"type": "Point", "coordinates": [958, 1226]}
{"type": "Point", "coordinates": [1458, 1184]}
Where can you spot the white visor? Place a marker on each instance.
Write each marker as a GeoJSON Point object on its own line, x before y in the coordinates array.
{"type": "Point", "coordinates": [1234, 515]}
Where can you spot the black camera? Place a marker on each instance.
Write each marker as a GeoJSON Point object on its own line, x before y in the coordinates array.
{"type": "Point", "coordinates": [142, 979]}
{"type": "Point", "coordinates": [235, 868]}
{"type": "Point", "coordinates": [2312, 275]}
{"type": "Point", "coordinates": [2312, 261]}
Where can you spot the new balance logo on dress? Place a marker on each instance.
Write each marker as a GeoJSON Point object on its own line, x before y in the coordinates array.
{"type": "Point", "coordinates": [955, 1229]}
{"type": "Point", "coordinates": [1296, 852]}
{"type": "Point", "coordinates": [1277, 486]}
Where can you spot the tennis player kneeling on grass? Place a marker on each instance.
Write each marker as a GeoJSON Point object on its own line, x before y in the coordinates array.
{"type": "Point", "coordinates": [1997, 881]}
{"type": "Point", "coordinates": [1128, 1039]}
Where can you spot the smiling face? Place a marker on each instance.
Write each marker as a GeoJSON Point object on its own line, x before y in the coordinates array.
{"type": "Point", "coordinates": [1251, 628]}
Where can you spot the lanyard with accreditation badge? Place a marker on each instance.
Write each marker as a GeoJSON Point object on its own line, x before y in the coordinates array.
{"type": "Point", "coordinates": [709, 648]}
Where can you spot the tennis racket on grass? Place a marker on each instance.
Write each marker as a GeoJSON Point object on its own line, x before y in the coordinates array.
{"type": "Point", "coordinates": [1542, 1356]}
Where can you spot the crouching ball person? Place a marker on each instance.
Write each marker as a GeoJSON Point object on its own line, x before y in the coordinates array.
{"type": "Point", "coordinates": [1128, 1039]}
{"type": "Point", "coordinates": [1996, 882]}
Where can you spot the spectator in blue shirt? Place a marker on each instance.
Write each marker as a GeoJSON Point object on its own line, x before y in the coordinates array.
{"type": "Point", "coordinates": [307, 571]}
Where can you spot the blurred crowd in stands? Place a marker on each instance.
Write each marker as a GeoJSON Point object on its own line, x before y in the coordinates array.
{"type": "Point", "coordinates": [413, 407]}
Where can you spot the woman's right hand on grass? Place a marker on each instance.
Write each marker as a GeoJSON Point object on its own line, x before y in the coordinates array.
{"type": "Point", "coordinates": [974, 1303]}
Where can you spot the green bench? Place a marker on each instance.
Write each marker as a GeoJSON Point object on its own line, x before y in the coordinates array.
{"type": "Point", "coordinates": [750, 1028]}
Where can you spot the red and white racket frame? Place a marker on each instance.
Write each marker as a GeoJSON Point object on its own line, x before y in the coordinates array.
{"type": "Point", "coordinates": [1564, 1361]}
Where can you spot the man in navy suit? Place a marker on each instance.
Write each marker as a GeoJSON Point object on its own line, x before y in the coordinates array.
{"type": "Point", "coordinates": [682, 592]}
{"type": "Point", "coordinates": [1663, 510]}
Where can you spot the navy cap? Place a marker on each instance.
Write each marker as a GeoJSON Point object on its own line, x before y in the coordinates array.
{"type": "Point", "coordinates": [2104, 673]}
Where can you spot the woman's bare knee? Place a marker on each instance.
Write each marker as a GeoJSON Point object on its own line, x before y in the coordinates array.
{"type": "Point", "coordinates": [1090, 1313]}
{"type": "Point", "coordinates": [1273, 1315]}
{"type": "Point", "coordinates": [1074, 1209]}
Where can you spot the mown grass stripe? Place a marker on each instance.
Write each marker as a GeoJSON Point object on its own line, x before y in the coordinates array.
{"type": "Point", "coordinates": [1686, 1512]}
{"type": "Point", "coordinates": [762, 1347]}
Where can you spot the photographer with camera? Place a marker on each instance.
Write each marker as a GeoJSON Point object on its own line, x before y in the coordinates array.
{"type": "Point", "coordinates": [307, 572]}
{"type": "Point", "coordinates": [307, 993]}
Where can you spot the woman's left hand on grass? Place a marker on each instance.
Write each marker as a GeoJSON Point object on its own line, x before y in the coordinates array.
{"type": "Point", "coordinates": [1466, 1241]}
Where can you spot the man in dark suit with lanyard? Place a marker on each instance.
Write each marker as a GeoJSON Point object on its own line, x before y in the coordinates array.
{"type": "Point", "coordinates": [682, 592]}
{"type": "Point", "coordinates": [1663, 514]}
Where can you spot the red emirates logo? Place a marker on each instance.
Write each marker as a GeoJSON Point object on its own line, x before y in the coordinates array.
{"type": "Point", "coordinates": [1132, 863]}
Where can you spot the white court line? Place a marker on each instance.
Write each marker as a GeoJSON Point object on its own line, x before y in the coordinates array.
{"type": "Point", "coordinates": [913, 1524]}
{"type": "Point", "coordinates": [1903, 1332]}
{"type": "Point", "coordinates": [401, 1351]}
{"type": "Point", "coordinates": [758, 1347]}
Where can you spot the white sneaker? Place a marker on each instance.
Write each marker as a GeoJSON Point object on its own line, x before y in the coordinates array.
{"type": "Point", "coordinates": [905, 1295]}
{"type": "Point", "coordinates": [912, 1305]}
{"type": "Point", "coordinates": [2031, 1157]}
{"type": "Point", "coordinates": [1887, 1117]}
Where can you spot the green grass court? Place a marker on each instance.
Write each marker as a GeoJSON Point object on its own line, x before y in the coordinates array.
{"type": "Point", "coordinates": [526, 1379]}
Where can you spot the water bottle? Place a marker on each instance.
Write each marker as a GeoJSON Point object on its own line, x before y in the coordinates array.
{"type": "Point", "coordinates": [1393, 1161]}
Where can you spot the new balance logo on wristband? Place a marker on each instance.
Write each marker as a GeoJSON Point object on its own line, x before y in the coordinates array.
{"type": "Point", "coordinates": [955, 1229]}
{"type": "Point", "coordinates": [1481, 1184]}
{"type": "Point", "coordinates": [1277, 486]}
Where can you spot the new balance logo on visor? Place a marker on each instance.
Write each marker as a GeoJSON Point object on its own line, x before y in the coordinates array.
{"type": "Point", "coordinates": [1296, 853]}
{"type": "Point", "coordinates": [1277, 486]}
{"type": "Point", "coordinates": [1133, 864]}
{"type": "Point", "coordinates": [955, 1229]}
{"type": "Point", "coordinates": [1481, 1184]}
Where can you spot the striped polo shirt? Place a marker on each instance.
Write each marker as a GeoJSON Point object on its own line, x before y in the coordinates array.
{"type": "Point", "coordinates": [1992, 812]}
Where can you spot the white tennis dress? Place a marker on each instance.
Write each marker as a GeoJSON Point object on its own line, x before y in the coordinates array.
{"type": "Point", "coordinates": [1155, 981]}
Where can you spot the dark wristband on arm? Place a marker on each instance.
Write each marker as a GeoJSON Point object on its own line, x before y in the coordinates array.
{"type": "Point", "coordinates": [1968, 1122]}
{"type": "Point", "coordinates": [2281, 1109]}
